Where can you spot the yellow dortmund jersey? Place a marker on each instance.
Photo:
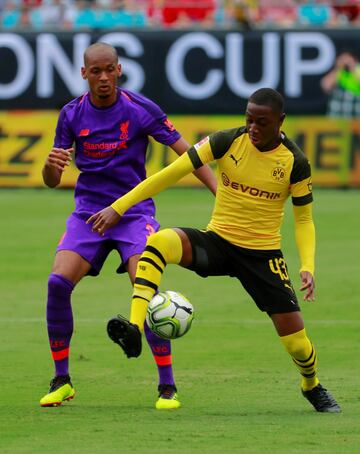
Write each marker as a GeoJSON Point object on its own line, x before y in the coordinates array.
{"type": "Point", "coordinates": [253, 186]}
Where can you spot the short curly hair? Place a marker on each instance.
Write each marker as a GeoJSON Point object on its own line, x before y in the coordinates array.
{"type": "Point", "coordinates": [268, 97]}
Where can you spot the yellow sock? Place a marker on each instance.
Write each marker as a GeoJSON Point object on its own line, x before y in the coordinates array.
{"type": "Point", "coordinates": [162, 248]}
{"type": "Point", "coordinates": [138, 311]}
{"type": "Point", "coordinates": [303, 354]}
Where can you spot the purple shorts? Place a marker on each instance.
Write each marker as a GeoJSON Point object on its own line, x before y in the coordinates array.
{"type": "Point", "coordinates": [128, 237]}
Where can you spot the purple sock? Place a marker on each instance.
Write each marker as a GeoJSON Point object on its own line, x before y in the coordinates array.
{"type": "Point", "coordinates": [59, 321]}
{"type": "Point", "coordinates": [161, 350]}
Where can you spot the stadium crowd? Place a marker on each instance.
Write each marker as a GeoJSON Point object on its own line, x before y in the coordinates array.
{"type": "Point", "coordinates": [246, 14]}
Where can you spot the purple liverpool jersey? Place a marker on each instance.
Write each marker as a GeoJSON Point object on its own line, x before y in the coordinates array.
{"type": "Point", "coordinates": [110, 147]}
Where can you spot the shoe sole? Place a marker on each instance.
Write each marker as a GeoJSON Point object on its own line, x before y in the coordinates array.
{"type": "Point", "coordinates": [162, 408]}
{"type": "Point", "coordinates": [119, 332]}
{"type": "Point", "coordinates": [330, 410]}
{"type": "Point", "coordinates": [57, 404]}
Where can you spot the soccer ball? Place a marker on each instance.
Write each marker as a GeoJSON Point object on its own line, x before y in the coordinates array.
{"type": "Point", "coordinates": [170, 314]}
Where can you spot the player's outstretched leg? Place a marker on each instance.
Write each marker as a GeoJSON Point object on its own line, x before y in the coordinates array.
{"type": "Point", "coordinates": [161, 350]}
{"type": "Point", "coordinates": [125, 334]}
{"type": "Point", "coordinates": [61, 389]}
{"type": "Point", "coordinates": [162, 248]}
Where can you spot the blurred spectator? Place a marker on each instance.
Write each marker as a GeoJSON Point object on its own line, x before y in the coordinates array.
{"type": "Point", "coordinates": [52, 13]}
{"type": "Point", "coordinates": [34, 14]}
{"type": "Point", "coordinates": [183, 13]}
{"type": "Point", "coordinates": [85, 15]}
{"type": "Point", "coordinates": [342, 84]}
{"type": "Point", "coordinates": [11, 15]}
{"type": "Point", "coordinates": [31, 3]}
{"type": "Point", "coordinates": [131, 14]}
{"type": "Point", "coordinates": [347, 10]}
{"type": "Point", "coordinates": [243, 14]}
{"type": "Point", "coordinates": [108, 14]}
{"type": "Point", "coordinates": [278, 13]}
{"type": "Point", "coordinates": [44, 14]}
{"type": "Point", "coordinates": [316, 13]}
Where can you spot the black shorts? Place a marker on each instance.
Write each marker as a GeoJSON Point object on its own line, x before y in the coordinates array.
{"type": "Point", "coordinates": [263, 274]}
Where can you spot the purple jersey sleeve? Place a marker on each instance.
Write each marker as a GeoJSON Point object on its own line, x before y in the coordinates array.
{"type": "Point", "coordinates": [64, 137]}
{"type": "Point", "coordinates": [154, 121]}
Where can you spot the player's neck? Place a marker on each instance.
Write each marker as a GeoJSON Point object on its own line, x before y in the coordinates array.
{"type": "Point", "coordinates": [101, 103]}
{"type": "Point", "coordinates": [271, 145]}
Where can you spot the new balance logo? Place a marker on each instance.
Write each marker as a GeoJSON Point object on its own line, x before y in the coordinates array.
{"type": "Point", "coordinates": [169, 125]}
{"type": "Point", "coordinates": [84, 132]}
{"type": "Point", "coordinates": [234, 159]}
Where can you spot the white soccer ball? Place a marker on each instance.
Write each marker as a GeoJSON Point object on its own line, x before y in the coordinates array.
{"type": "Point", "coordinates": [170, 314]}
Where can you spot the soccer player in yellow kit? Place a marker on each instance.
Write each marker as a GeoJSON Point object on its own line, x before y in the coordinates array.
{"type": "Point", "coordinates": [258, 169]}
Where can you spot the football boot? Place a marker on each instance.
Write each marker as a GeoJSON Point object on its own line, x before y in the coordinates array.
{"type": "Point", "coordinates": [168, 398]}
{"type": "Point", "coordinates": [61, 390]}
{"type": "Point", "coordinates": [322, 400]}
{"type": "Point", "coordinates": [125, 334]}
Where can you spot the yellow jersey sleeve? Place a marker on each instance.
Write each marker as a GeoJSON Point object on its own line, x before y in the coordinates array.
{"type": "Point", "coordinates": [195, 157]}
{"type": "Point", "coordinates": [305, 236]}
{"type": "Point", "coordinates": [300, 180]}
{"type": "Point", "coordinates": [201, 153]}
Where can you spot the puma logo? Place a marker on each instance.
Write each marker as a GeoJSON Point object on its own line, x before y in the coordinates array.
{"type": "Point", "coordinates": [234, 159]}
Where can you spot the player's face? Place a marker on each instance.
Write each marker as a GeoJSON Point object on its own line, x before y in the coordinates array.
{"type": "Point", "coordinates": [263, 125]}
{"type": "Point", "coordinates": [102, 72]}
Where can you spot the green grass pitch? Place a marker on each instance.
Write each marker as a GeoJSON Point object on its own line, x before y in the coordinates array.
{"type": "Point", "coordinates": [239, 389]}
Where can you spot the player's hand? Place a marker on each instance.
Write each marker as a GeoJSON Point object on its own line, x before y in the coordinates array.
{"type": "Point", "coordinates": [307, 285]}
{"type": "Point", "coordinates": [59, 158]}
{"type": "Point", "coordinates": [103, 220]}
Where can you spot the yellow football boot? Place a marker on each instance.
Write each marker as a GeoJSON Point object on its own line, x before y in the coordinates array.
{"type": "Point", "coordinates": [168, 398]}
{"type": "Point", "coordinates": [61, 389]}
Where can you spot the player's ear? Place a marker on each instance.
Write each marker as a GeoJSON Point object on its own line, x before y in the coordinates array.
{"type": "Point", "coordinates": [83, 73]}
{"type": "Point", "coordinates": [282, 118]}
{"type": "Point", "coordinates": [119, 69]}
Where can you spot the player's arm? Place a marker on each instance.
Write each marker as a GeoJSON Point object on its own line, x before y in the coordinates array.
{"type": "Point", "coordinates": [55, 164]}
{"type": "Point", "coordinates": [301, 196]}
{"type": "Point", "coordinates": [204, 173]}
{"type": "Point", "coordinates": [193, 159]}
{"type": "Point", "coordinates": [305, 241]}
{"type": "Point", "coordinates": [157, 125]}
{"type": "Point", "coordinates": [60, 155]}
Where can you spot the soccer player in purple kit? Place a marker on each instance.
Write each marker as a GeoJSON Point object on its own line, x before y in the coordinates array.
{"type": "Point", "coordinates": [108, 128]}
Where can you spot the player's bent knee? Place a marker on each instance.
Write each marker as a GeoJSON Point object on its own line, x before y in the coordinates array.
{"type": "Point", "coordinates": [187, 255]}
{"type": "Point", "coordinates": [161, 237]}
{"type": "Point", "coordinates": [168, 243]}
{"type": "Point", "coordinates": [58, 284]}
